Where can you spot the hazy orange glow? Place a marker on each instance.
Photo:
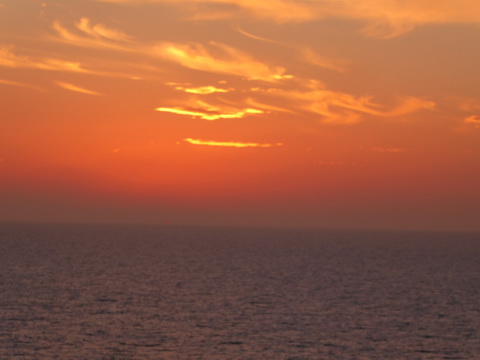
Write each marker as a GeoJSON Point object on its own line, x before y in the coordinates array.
{"type": "Point", "coordinates": [277, 112]}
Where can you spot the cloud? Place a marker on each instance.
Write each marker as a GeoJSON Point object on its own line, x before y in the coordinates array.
{"type": "Point", "coordinates": [312, 57]}
{"type": "Point", "coordinates": [212, 57]}
{"type": "Point", "coordinates": [210, 114]}
{"type": "Point", "coordinates": [76, 88]}
{"type": "Point", "coordinates": [277, 10]}
{"type": "Point", "coordinates": [202, 90]}
{"type": "Point", "coordinates": [19, 84]}
{"type": "Point", "coordinates": [300, 97]}
{"type": "Point", "coordinates": [268, 107]}
{"type": "Point", "coordinates": [473, 120]}
{"type": "Point", "coordinates": [307, 54]}
{"type": "Point", "coordinates": [337, 107]}
{"type": "Point", "coordinates": [101, 31]}
{"type": "Point", "coordinates": [221, 59]}
{"type": "Point", "coordinates": [94, 36]}
{"type": "Point", "coordinates": [383, 18]}
{"type": "Point", "coordinates": [294, 95]}
{"type": "Point", "coordinates": [9, 59]}
{"type": "Point", "coordinates": [230, 143]}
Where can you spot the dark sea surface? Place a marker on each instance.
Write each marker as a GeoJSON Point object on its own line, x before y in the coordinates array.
{"type": "Point", "coordinates": [142, 292]}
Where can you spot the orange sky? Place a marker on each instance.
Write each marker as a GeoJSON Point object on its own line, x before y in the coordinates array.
{"type": "Point", "coordinates": [345, 114]}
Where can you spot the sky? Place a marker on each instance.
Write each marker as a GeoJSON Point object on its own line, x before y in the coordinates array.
{"type": "Point", "coordinates": [315, 113]}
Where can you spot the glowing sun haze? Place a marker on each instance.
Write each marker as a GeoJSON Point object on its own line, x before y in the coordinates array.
{"type": "Point", "coordinates": [343, 114]}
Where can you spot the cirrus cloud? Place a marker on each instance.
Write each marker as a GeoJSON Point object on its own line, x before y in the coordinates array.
{"type": "Point", "coordinates": [382, 18]}
{"type": "Point", "coordinates": [220, 58]}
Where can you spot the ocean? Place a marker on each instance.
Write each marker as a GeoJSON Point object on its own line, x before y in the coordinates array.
{"type": "Point", "coordinates": [118, 292]}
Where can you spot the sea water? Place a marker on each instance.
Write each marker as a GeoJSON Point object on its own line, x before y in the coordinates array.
{"type": "Point", "coordinates": [122, 292]}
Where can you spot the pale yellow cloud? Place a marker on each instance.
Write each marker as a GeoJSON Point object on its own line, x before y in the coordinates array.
{"type": "Point", "coordinates": [202, 90]}
{"type": "Point", "coordinates": [76, 88]}
{"type": "Point", "coordinates": [220, 58]}
{"type": "Point", "coordinates": [212, 114]}
{"type": "Point", "coordinates": [234, 144]}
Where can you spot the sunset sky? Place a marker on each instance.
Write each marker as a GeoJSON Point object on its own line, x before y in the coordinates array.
{"type": "Point", "coordinates": [317, 113]}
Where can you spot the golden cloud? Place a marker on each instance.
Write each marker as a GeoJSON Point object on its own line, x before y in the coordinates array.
{"type": "Point", "coordinates": [213, 57]}
{"type": "Point", "coordinates": [220, 58]}
{"type": "Point", "coordinates": [234, 144]}
{"type": "Point", "coordinates": [202, 90]}
{"type": "Point", "coordinates": [211, 115]}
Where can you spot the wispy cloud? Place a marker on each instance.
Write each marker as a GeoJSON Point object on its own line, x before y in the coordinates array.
{"type": "Point", "coordinates": [234, 144]}
{"type": "Point", "coordinates": [307, 54]}
{"type": "Point", "coordinates": [269, 107]}
{"type": "Point", "coordinates": [337, 107]}
{"type": "Point", "coordinates": [9, 59]}
{"type": "Point", "coordinates": [472, 120]}
{"type": "Point", "coordinates": [93, 36]}
{"type": "Point", "coordinates": [212, 114]}
{"type": "Point", "coordinates": [302, 97]}
{"type": "Point", "coordinates": [312, 57]}
{"type": "Point", "coordinates": [20, 84]}
{"type": "Point", "coordinates": [76, 88]}
{"type": "Point", "coordinates": [101, 31]}
{"type": "Point", "coordinates": [222, 59]}
{"type": "Point", "coordinates": [202, 90]}
{"type": "Point", "coordinates": [293, 95]}
{"type": "Point", "coordinates": [211, 57]}
{"type": "Point", "coordinates": [383, 18]}
{"type": "Point", "coordinates": [277, 10]}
